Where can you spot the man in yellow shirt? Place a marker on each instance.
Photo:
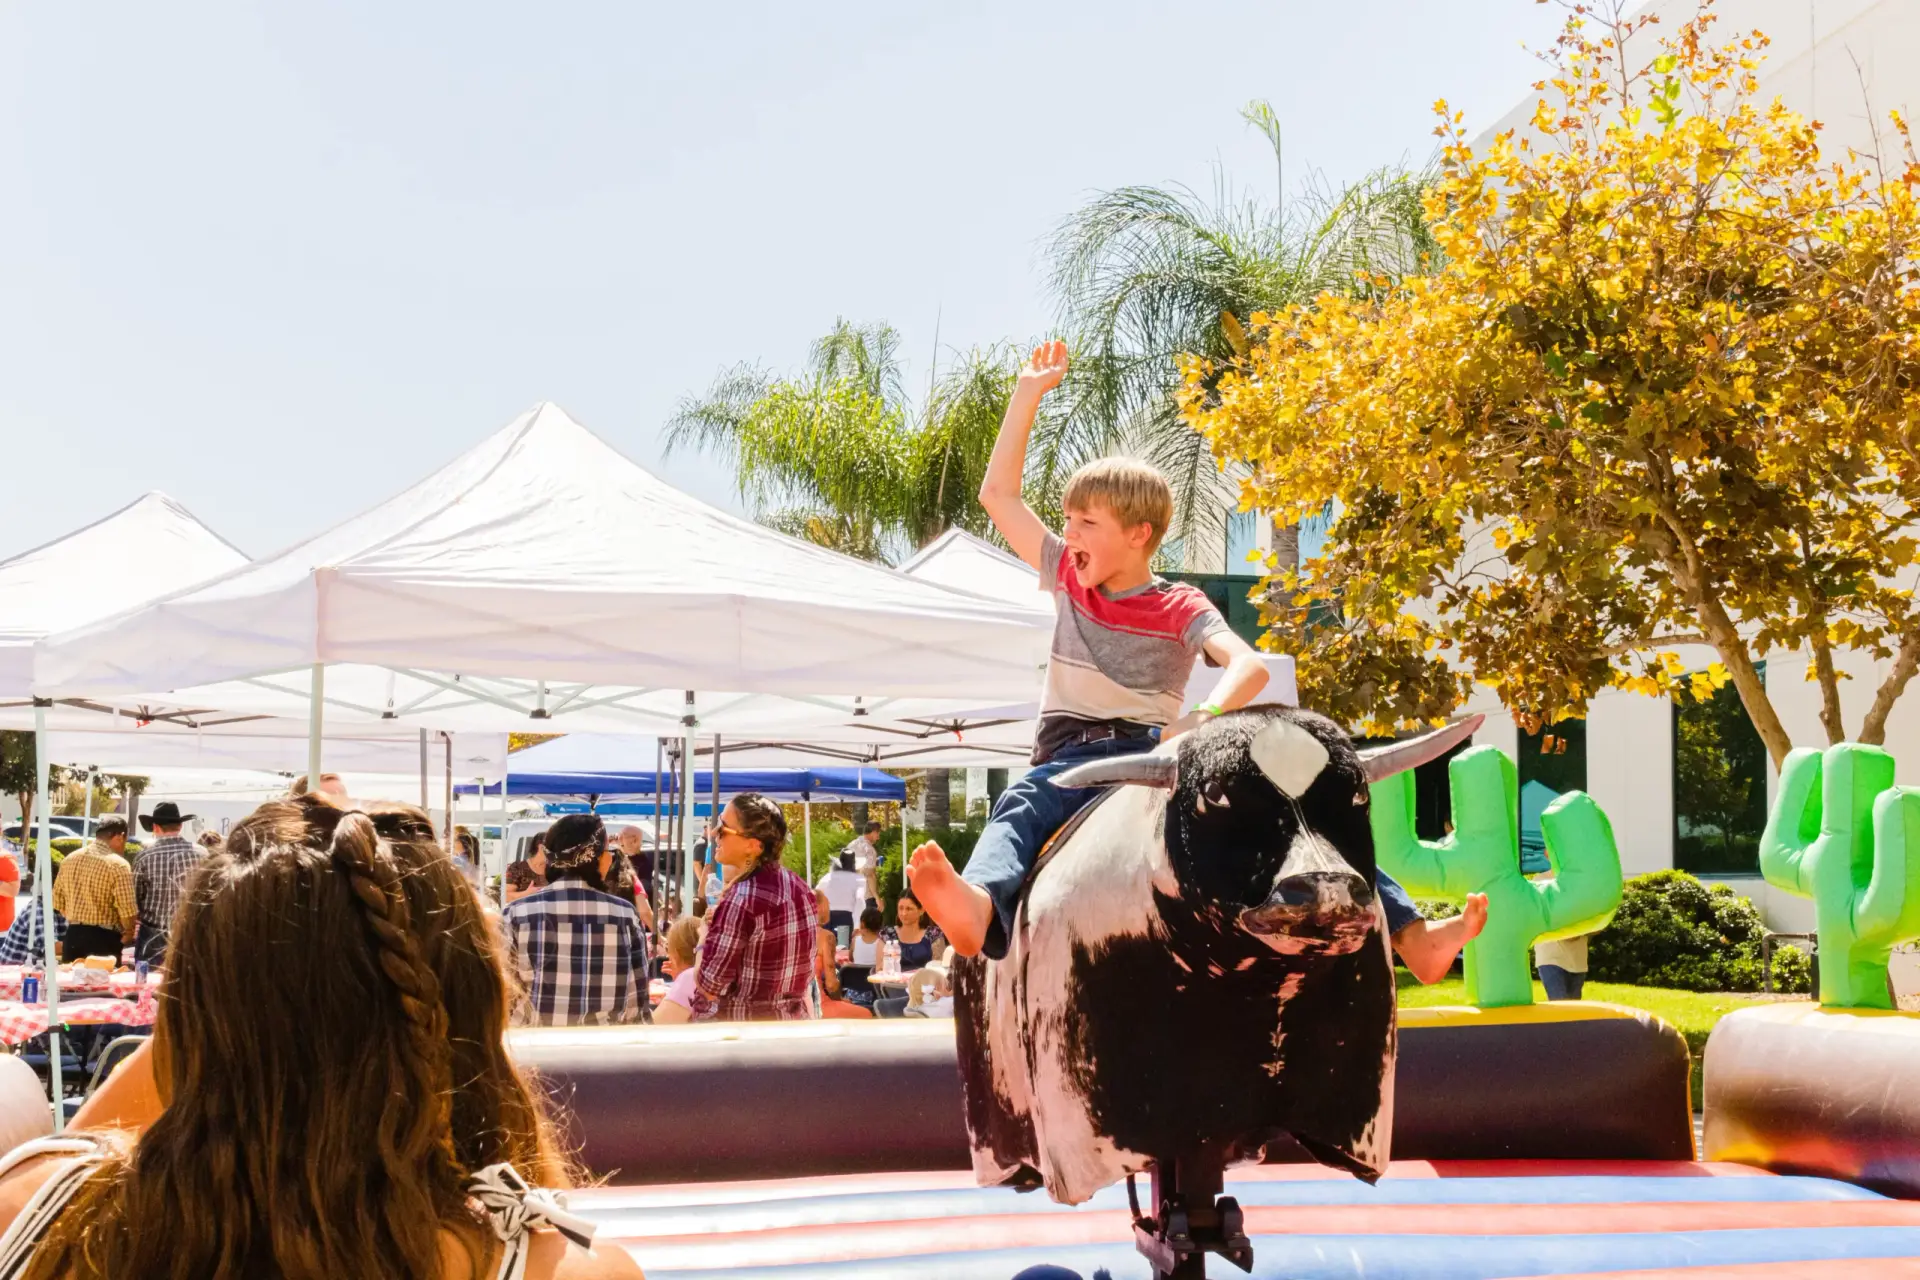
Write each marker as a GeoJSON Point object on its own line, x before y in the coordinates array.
{"type": "Point", "coordinates": [94, 892]}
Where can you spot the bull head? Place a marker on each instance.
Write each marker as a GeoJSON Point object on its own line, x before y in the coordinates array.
{"type": "Point", "coordinates": [1262, 828]}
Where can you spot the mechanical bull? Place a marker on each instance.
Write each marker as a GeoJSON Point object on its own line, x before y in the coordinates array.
{"type": "Point", "coordinates": [1199, 968]}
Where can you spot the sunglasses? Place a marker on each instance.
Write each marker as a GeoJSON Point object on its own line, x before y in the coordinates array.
{"type": "Point", "coordinates": [725, 828]}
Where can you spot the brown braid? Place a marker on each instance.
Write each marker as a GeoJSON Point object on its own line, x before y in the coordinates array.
{"type": "Point", "coordinates": [356, 851]}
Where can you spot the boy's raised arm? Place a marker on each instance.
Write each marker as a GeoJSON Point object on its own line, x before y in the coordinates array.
{"type": "Point", "coordinates": [1001, 492]}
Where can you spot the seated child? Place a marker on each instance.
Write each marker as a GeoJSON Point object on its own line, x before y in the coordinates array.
{"type": "Point", "coordinates": [1124, 645]}
{"type": "Point", "coordinates": [865, 948]}
{"type": "Point", "coordinates": [683, 948]}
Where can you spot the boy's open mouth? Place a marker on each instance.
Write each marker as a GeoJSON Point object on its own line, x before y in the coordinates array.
{"type": "Point", "coordinates": [1079, 561]}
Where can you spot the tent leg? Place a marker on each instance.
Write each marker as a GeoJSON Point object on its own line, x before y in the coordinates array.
{"type": "Point", "coordinates": [447, 841]}
{"type": "Point", "coordinates": [690, 721]}
{"type": "Point", "coordinates": [43, 880]}
{"type": "Point", "coordinates": [806, 816]}
{"type": "Point", "coordinates": [423, 770]}
{"type": "Point", "coordinates": [659, 850]}
{"type": "Point", "coordinates": [316, 717]}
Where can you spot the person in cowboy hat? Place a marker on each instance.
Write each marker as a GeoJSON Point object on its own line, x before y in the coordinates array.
{"type": "Point", "coordinates": [157, 881]}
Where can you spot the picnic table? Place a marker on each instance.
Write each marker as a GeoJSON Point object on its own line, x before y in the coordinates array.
{"type": "Point", "coordinates": [78, 980]}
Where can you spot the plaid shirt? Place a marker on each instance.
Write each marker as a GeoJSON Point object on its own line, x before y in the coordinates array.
{"type": "Point", "coordinates": [95, 886]}
{"type": "Point", "coordinates": [158, 879]}
{"type": "Point", "coordinates": [757, 959]}
{"type": "Point", "coordinates": [580, 954]}
{"type": "Point", "coordinates": [21, 944]}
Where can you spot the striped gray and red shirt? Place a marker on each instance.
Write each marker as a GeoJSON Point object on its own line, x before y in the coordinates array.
{"type": "Point", "coordinates": [1122, 658]}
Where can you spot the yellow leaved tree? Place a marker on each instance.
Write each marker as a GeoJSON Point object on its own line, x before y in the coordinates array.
{"type": "Point", "coordinates": [1661, 390]}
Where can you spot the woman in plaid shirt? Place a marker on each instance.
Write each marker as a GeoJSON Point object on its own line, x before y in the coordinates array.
{"type": "Point", "coordinates": [757, 960]}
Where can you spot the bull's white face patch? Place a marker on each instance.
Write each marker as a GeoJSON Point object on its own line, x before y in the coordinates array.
{"type": "Point", "coordinates": [1290, 757]}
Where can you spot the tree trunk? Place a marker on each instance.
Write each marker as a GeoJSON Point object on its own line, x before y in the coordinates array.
{"type": "Point", "coordinates": [938, 799]}
{"type": "Point", "coordinates": [1830, 718]}
{"type": "Point", "coordinates": [1683, 563]}
{"type": "Point", "coordinates": [858, 809]}
{"type": "Point", "coordinates": [1873, 730]}
{"type": "Point", "coordinates": [1286, 547]}
{"type": "Point", "coordinates": [996, 783]}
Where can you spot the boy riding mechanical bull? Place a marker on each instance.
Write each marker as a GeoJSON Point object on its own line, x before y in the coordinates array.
{"type": "Point", "coordinates": [1124, 644]}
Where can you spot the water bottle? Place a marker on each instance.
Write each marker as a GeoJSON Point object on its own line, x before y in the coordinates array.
{"type": "Point", "coordinates": [140, 974]}
{"type": "Point", "coordinates": [30, 989]}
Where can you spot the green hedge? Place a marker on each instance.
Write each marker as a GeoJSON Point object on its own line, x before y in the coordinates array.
{"type": "Point", "coordinates": [1673, 931]}
{"type": "Point", "coordinates": [831, 835]}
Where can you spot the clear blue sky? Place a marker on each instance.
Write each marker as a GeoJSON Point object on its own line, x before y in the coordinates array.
{"type": "Point", "coordinates": [282, 260]}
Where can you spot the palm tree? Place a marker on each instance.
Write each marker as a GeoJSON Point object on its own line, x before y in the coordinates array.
{"type": "Point", "coordinates": [838, 456]}
{"type": "Point", "coordinates": [1145, 274]}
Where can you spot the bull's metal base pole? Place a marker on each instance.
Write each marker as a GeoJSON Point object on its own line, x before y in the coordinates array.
{"type": "Point", "coordinates": [1191, 1219]}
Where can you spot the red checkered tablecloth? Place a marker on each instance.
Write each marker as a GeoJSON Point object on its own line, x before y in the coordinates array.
{"type": "Point", "coordinates": [22, 1022]}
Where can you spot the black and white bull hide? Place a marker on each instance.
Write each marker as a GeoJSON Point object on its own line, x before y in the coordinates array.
{"type": "Point", "coordinates": [1200, 964]}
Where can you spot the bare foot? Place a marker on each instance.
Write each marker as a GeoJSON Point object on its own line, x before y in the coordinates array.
{"type": "Point", "coordinates": [1474, 918]}
{"type": "Point", "coordinates": [962, 910]}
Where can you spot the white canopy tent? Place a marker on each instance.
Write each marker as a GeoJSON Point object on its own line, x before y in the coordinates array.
{"type": "Point", "coordinates": [543, 581]}
{"type": "Point", "coordinates": [544, 556]}
{"type": "Point", "coordinates": [150, 546]}
{"type": "Point", "coordinates": [156, 547]}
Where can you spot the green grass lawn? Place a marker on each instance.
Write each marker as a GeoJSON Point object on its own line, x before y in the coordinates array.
{"type": "Point", "coordinates": [1691, 1013]}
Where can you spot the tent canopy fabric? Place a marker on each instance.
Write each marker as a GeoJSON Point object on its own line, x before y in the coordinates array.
{"type": "Point", "coordinates": [150, 547]}
{"type": "Point", "coordinates": [964, 562]}
{"type": "Point", "coordinates": [543, 554]}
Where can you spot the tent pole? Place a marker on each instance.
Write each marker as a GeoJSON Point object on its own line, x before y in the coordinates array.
{"type": "Point", "coordinates": [316, 712]}
{"type": "Point", "coordinates": [689, 722]}
{"type": "Point", "coordinates": [806, 812]}
{"type": "Point", "coordinates": [715, 814]}
{"type": "Point", "coordinates": [43, 880]}
{"type": "Point", "coordinates": [423, 769]}
{"type": "Point", "coordinates": [659, 850]}
{"type": "Point", "coordinates": [447, 840]}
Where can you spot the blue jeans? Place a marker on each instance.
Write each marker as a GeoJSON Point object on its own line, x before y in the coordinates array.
{"type": "Point", "coordinates": [1562, 984]}
{"type": "Point", "coordinates": [1026, 813]}
{"type": "Point", "coordinates": [1032, 809]}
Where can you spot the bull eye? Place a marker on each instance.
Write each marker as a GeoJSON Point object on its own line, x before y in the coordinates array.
{"type": "Point", "coordinates": [1359, 799]}
{"type": "Point", "coordinates": [1214, 794]}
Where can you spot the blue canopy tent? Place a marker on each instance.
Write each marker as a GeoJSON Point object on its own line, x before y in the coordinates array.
{"type": "Point", "coordinates": [804, 785]}
{"type": "Point", "coordinates": [857, 783]}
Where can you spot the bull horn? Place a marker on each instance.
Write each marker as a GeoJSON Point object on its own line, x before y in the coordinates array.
{"type": "Point", "coordinates": [1382, 763]}
{"type": "Point", "coordinates": [1147, 769]}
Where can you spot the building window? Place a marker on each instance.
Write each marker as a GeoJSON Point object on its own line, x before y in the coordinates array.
{"type": "Point", "coordinates": [1719, 785]}
{"type": "Point", "coordinates": [1551, 762]}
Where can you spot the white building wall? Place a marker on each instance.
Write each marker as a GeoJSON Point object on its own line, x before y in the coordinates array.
{"type": "Point", "coordinates": [1630, 775]}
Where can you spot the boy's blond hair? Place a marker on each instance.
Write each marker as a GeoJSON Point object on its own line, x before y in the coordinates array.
{"type": "Point", "coordinates": [1133, 490]}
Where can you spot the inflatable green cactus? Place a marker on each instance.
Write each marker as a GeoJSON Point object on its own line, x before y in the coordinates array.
{"type": "Point", "coordinates": [1483, 856]}
{"type": "Point", "coordinates": [1842, 834]}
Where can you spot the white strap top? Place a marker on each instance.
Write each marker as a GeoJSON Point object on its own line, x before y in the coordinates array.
{"type": "Point", "coordinates": [512, 1205]}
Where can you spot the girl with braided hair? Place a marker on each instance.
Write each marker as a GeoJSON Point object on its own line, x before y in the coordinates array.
{"type": "Point", "coordinates": [327, 1092]}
